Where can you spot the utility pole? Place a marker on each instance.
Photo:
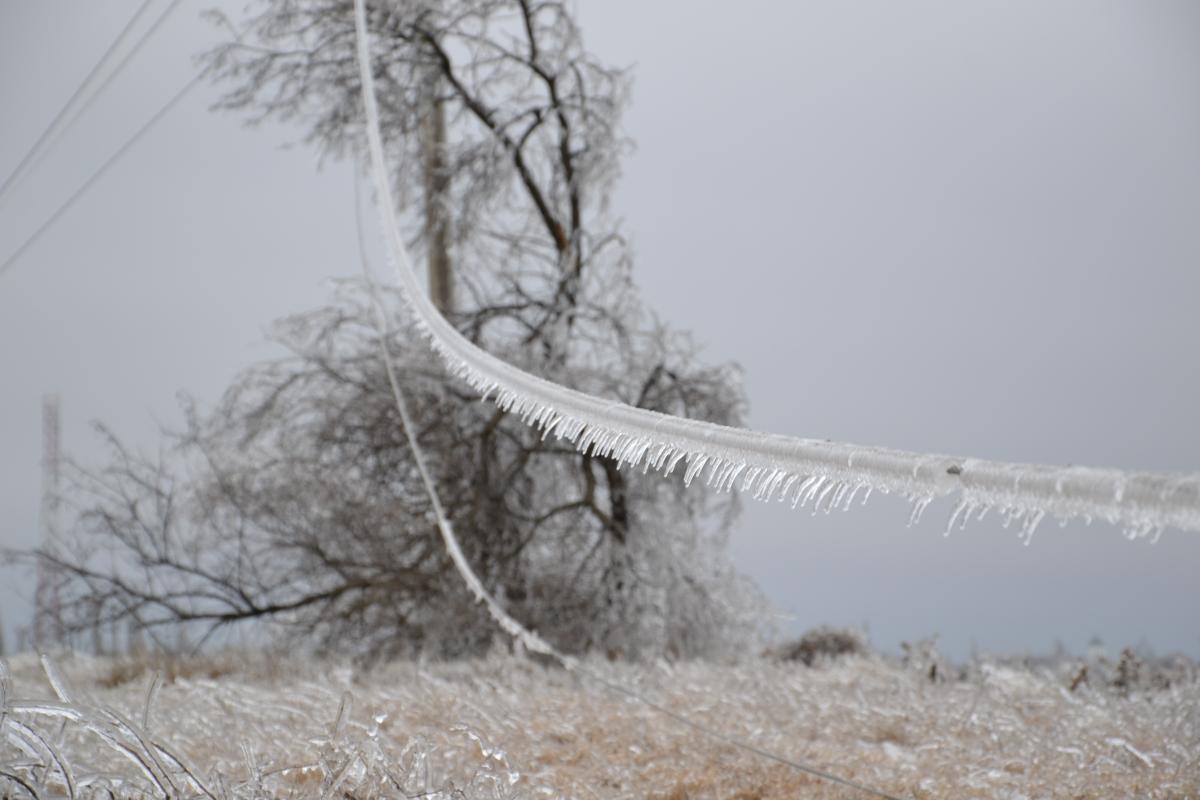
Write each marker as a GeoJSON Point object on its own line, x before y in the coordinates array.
{"type": "Point", "coordinates": [437, 182]}
{"type": "Point", "coordinates": [47, 611]}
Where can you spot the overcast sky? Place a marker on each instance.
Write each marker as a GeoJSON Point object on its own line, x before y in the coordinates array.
{"type": "Point", "coordinates": [963, 228]}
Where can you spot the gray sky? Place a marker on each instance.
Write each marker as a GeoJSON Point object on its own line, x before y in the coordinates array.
{"type": "Point", "coordinates": [965, 228]}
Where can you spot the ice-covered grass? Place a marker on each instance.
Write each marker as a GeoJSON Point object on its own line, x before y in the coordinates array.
{"type": "Point", "coordinates": [507, 727]}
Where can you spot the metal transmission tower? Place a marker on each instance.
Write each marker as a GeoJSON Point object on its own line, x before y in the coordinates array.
{"type": "Point", "coordinates": [47, 611]}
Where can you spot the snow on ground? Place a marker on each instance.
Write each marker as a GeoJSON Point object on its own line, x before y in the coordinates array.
{"type": "Point", "coordinates": [507, 727]}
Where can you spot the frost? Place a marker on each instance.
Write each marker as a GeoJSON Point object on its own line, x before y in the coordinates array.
{"type": "Point", "coordinates": [502, 727]}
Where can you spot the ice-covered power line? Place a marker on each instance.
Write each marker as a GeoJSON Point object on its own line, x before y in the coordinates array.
{"type": "Point", "coordinates": [529, 639]}
{"type": "Point", "coordinates": [62, 122]}
{"type": "Point", "coordinates": [515, 629]}
{"type": "Point", "coordinates": [813, 473]}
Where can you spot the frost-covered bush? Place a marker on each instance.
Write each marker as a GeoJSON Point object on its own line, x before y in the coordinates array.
{"type": "Point", "coordinates": [294, 508]}
{"type": "Point", "coordinates": [296, 502]}
{"type": "Point", "coordinates": [822, 645]}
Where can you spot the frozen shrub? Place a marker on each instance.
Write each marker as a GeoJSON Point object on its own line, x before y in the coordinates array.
{"type": "Point", "coordinates": [924, 657]}
{"type": "Point", "coordinates": [296, 501]}
{"type": "Point", "coordinates": [823, 645]}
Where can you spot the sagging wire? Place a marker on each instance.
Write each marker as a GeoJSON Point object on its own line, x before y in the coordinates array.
{"type": "Point", "coordinates": [821, 474]}
{"type": "Point", "coordinates": [527, 638]}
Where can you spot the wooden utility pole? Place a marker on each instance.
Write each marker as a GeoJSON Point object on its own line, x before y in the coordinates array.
{"type": "Point", "coordinates": [47, 610]}
{"type": "Point", "coordinates": [437, 182]}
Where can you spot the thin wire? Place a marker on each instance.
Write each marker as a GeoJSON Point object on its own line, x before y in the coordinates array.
{"type": "Point", "coordinates": [108, 80]}
{"type": "Point", "coordinates": [112, 159]}
{"type": "Point", "coordinates": [112, 47]}
{"type": "Point", "coordinates": [508, 623]}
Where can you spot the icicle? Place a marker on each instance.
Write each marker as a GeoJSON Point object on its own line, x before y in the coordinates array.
{"type": "Point", "coordinates": [963, 509]}
{"type": "Point", "coordinates": [1032, 520]}
{"type": "Point", "coordinates": [718, 473]}
{"type": "Point", "coordinates": [836, 500]}
{"type": "Point", "coordinates": [792, 478]}
{"type": "Point", "coordinates": [773, 485]}
{"type": "Point", "coordinates": [812, 489]}
{"type": "Point", "coordinates": [694, 466]}
{"type": "Point", "coordinates": [831, 486]}
{"type": "Point", "coordinates": [548, 429]}
{"type": "Point", "coordinates": [918, 509]}
{"type": "Point", "coordinates": [1009, 516]}
{"type": "Point", "coordinates": [850, 496]}
{"type": "Point", "coordinates": [733, 476]}
{"type": "Point", "coordinates": [751, 475]}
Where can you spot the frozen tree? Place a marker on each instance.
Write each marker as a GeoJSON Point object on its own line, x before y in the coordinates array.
{"type": "Point", "coordinates": [296, 500]}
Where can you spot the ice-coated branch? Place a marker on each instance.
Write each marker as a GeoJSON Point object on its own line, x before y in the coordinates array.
{"type": "Point", "coordinates": [812, 473]}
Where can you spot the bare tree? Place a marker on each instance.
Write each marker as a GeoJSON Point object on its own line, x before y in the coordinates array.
{"type": "Point", "coordinates": [296, 500]}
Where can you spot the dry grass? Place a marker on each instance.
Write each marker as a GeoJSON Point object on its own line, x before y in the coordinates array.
{"type": "Point", "coordinates": [503, 727]}
{"type": "Point", "coordinates": [123, 670]}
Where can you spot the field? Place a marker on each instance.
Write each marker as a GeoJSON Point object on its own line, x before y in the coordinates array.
{"type": "Point", "coordinates": [504, 726]}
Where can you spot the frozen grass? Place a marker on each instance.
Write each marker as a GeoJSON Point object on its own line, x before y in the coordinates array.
{"type": "Point", "coordinates": [505, 727]}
